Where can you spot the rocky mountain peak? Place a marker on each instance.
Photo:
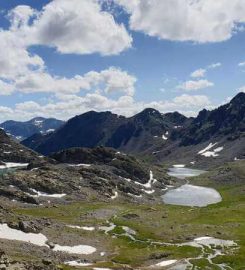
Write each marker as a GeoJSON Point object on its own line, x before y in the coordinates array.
{"type": "Point", "coordinates": [239, 99]}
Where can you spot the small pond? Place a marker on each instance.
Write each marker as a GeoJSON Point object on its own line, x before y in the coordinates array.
{"type": "Point", "coordinates": [190, 195]}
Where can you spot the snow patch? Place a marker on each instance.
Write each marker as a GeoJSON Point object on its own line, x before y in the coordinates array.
{"type": "Point", "coordinates": [80, 165]}
{"type": "Point", "coordinates": [96, 268]}
{"type": "Point", "coordinates": [107, 229]}
{"type": "Point", "coordinates": [11, 234]}
{"type": "Point", "coordinates": [85, 228]}
{"type": "Point", "coordinates": [77, 263]}
{"type": "Point", "coordinates": [149, 183]}
{"type": "Point", "coordinates": [81, 249]}
{"type": "Point", "coordinates": [115, 195]}
{"type": "Point", "coordinates": [211, 145]}
{"type": "Point", "coordinates": [43, 194]}
{"type": "Point", "coordinates": [50, 130]}
{"type": "Point", "coordinates": [9, 165]}
{"type": "Point", "coordinates": [165, 263]}
{"type": "Point", "coordinates": [149, 191]}
{"type": "Point", "coordinates": [206, 152]}
{"type": "Point", "coordinates": [179, 166]}
{"type": "Point", "coordinates": [136, 196]}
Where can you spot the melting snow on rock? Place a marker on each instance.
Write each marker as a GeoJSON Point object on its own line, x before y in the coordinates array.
{"type": "Point", "coordinates": [206, 152]}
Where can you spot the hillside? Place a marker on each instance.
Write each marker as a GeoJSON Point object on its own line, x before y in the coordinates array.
{"type": "Point", "coordinates": [13, 152]}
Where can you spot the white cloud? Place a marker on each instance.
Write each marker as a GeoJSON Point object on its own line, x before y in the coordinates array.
{"type": "Point", "coordinates": [70, 105]}
{"type": "Point", "coordinates": [197, 101]}
{"type": "Point", "coordinates": [199, 73]}
{"type": "Point", "coordinates": [15, 59]}
{"type": "Point", "coordinates": [70, 26]}
{"type": "Point", "coordinates": [5, 88]}
{"type": "Point", "coordinates": [79, 27]}
{"type": "Point", "coordinates": [242, 64]}
{"type": "Point", "coordinates": [4, 111]}
{"type": "Point", "coordinates": [109, 80]}
{"type": "Point", "coordinates": [186, 20]}
{"type": "Point", "coordinates": [117, 80]}
{"type": "Point", "coordinates": [242, 89]}
{"type": "Point", "coordinates": [20, 16]}
{"type": "Point", "coordinates": [195, 85]}
{"type": "Point", "coordinates": [202, 71]}
{"type": "Point", "coordinates": [214, 65]}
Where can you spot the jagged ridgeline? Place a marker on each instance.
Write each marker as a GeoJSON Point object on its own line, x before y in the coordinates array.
{"type": "Point", "coordinates": [156, 136]}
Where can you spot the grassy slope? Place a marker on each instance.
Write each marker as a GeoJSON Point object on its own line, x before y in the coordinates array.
{"type": "Point", "coordinates": [166, 223]}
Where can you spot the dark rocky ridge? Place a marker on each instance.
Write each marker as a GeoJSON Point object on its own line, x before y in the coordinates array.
{"type": "Point", "coordinates": [225, 121]}
{"type": "Point", "coordinates": [92, 129]}
{"type": "Point", "coordinates": [142, 134]}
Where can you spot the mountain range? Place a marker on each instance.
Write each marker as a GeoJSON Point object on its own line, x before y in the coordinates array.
{"type": "Point", "coordinates": [217, 135]}
{"type": "Point", "coordinates": [92, 129]}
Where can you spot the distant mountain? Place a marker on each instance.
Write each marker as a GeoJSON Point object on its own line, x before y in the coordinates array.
{"type": "Point", "coordinates": [22, 130]}
{"type": "Point", "coordinates": [134, 134]}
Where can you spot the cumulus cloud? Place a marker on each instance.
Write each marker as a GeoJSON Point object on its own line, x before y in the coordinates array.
{"type": "Point", "coordinates": [72, 105]}
{"type": "Point", "coordinates": [195, 85]}
{"type": "Point", "coordinates": [214, 65]}
{"type": "Point", "coordinates": [242, 64]}
{"type": "Point", "coordinates": [15, 59]}
{"type": "Point", "coordinates": [186, 20]}
{"type": "Point", "coordinates": [79, 27]}
{"type": "Point", "coordinates": [202, 71]}
{"type": "Point", "coordinates": [109, 80]}
{"type": "Point", "coordinates": [6, 88]}
{"type": "Point", "coordinates": [70, 26]}
{"type": "Point", "coordinates": [199, 73]}
{"type": "Point", "coordinates": [20, 16]}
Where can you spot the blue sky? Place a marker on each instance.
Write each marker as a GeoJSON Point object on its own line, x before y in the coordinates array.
{"type": "Point", "coordinates": [138, 58]}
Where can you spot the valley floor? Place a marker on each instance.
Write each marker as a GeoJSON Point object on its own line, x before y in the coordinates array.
{"type": "Point", "coordinates": [140, 236]}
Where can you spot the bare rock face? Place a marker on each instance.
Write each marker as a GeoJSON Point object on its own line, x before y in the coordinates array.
{"type": "Point", "coordinates": [109, 173]}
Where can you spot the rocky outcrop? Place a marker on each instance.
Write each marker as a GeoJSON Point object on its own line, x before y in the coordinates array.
{"type": "Point", "coordinates": [84, 173]}
{"type": "Point", "coordinates": [121, 164]}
